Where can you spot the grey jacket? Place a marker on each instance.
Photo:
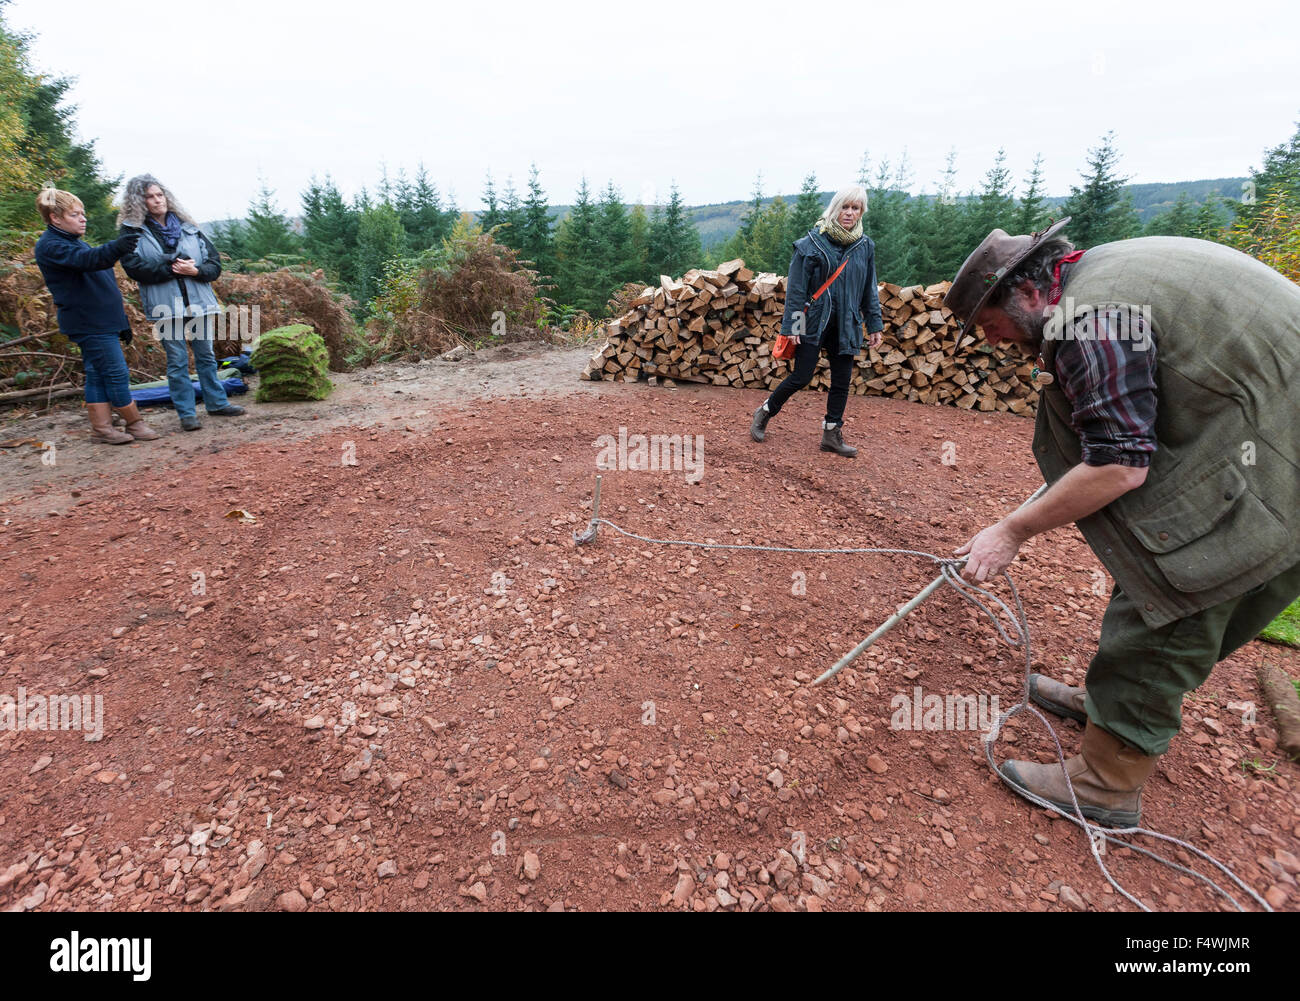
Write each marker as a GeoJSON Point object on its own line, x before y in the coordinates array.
{"type": "Point", "coordinates": [164, 294]}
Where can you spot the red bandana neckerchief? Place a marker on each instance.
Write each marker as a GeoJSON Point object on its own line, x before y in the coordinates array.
{"type": "Point", "coordinates": [1053, 297]}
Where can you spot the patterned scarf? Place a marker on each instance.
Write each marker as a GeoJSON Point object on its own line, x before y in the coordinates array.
{"type": "Point", "coordinates": [842, 236]}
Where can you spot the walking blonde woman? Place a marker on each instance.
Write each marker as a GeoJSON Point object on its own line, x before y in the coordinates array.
{"type": "Point", "coordinates": [91, 312]}
{"type": "Point", "coordinates": [175, 266]}
{"type": "Point", "coordinates": [830, 295]}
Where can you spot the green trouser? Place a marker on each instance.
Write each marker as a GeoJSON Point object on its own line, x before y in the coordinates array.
{"type": "Point", "coordinates": [1138, 678]}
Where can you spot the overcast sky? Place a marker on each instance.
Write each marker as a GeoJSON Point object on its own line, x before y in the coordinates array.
{"type": "Point", "coordinates": [208, 96]}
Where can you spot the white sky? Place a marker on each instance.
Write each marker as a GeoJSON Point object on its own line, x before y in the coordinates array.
{"type": "Point", "coordinates": [209, 95]}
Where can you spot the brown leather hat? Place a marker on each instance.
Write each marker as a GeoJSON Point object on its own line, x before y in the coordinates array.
{"type": "Point", "coordinates": [984, 270]}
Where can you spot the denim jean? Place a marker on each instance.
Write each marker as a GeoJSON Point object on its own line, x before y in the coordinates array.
{"type": "Point", "coordinates": [178, 375]}
{"type": "Point", "coordinates": [806, 356]}
{"type": "Point", "coordinates": [107, 378]}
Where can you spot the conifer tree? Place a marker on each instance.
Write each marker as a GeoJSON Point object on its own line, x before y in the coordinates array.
{"type": "Point", "coordinates": [1100, 211]}
{"type": "Point", "coordinates": [994, 207]}
{"type": "Point", "coordinates": [807, 208]}
{"type": "Point", "coordinates": [578, 255]}
{"type": "Point", "coordinates": [536, 242]}
{"type": "Point", "coordinates": [380, 238]}
{"type": "Point", "coordinates": [674, 240]}
{"type": "Point", "coordinates": [268, 230]}
{"type": "Point", "coordinates": [1030, 214]}
{"type": "Point", "coordinates": [491, 215]}
{"type": "Point", "coordinates": [614, 238]}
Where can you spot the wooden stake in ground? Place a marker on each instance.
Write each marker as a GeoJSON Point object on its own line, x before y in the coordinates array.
{"type": "Point", "coordinates": [1281, 697]}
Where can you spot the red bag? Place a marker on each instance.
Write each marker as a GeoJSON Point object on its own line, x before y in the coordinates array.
{"type": "Point", "coordinates": [784, 348]}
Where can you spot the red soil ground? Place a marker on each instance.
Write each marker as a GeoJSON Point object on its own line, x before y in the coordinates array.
{"type": "Point", "coordinates": [404, 687]}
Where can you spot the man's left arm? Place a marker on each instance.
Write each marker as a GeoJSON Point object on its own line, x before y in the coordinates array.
{"type": "Point", "coordinates": [1110, 381]}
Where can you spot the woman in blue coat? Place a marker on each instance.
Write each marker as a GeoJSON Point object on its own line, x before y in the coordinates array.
{"type": "Point", "coordinates": [91, 312]}
{"type": "Point", "coordinates": [175, 266]}
{"type": "Point", "coordinates": [834, 250]}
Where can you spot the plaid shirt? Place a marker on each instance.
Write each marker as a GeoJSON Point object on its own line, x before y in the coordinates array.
{"type": "Point", "coordinates": [1106, 365]}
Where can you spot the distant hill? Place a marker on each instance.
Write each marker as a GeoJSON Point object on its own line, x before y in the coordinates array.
{"type": "Point", "coordinates": [717, 222]}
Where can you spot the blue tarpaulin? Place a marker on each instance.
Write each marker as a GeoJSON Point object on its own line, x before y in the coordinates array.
{"type": "Point", "coordinates": [157, 394]}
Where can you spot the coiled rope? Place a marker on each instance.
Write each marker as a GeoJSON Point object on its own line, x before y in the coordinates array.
{"type": "Point", "coordinates": [949, 570]}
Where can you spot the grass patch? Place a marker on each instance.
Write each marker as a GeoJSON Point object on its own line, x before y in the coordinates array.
{"type": "Point", "coordinates": [1285, 628]}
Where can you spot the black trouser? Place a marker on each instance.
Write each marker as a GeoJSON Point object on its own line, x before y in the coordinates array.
{"type": "Point", "coordinates": [805, 366]}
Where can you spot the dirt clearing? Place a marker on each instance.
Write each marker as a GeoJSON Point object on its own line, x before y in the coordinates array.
{"type": "Point", "coordinates": [402, 686]}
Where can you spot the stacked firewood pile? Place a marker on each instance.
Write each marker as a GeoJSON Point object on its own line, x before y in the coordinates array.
{"type": "Point", "coordinates": [720, 326]}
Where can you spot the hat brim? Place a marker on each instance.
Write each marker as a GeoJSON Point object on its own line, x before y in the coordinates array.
{"type": "Point", "coordinates": [1007, 268]}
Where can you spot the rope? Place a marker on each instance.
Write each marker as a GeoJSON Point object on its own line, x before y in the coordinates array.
{"type": "Point", "coordinates": [972, 593]}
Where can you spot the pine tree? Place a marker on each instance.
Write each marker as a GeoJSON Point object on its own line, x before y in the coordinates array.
{"type": "Point", "coordinates": [330, 230]}
{"type": "Point", "coordinates": [768, 248]}
{"type": "Point", "coordinates": [1100, 211]}
{"type": "Point", "coordinates": [614, 237]}
{"type": "Point", "coordinates": [74, 166]}
{"type": "Point", "coordinates": [1177, 221]}
{"type": "Point", "coordinates": [674, 240]}
{"type": "Point", "coordinates": [994, 208]}
{"type": "Point", "coordinates": [231, 239]}
{"type": "Point", "coordinates": [512, 214]}
{"type": "Point", "coordinates": [887, 219]}
{"type": "Point", "coordinates": [380, 238]}
{"type": "Point", "coordinates": [268, 229]}
{"type": "Point", "coordinates": [420, 209]}
{"type": "Point", "coordinates": [1211, 221]}
{"type": "Point", "coordinates": [944, 241]}
{"type": "Point", "coordinates": [536, 243]}
{"type": "Point", "coordinates": [1030, 214]}
{"type": "Point", "coordinates": [578, 255]}
{"type": "Point", "coordinates": [807, 208]}
{"type": "Point", "coordinates": [750, 219]}
{"type": "Point", "coordinates": [1280, 172]}
{"type": "Point", "coordinates": [491, 215]}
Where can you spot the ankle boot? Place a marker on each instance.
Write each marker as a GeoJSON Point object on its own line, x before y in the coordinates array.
{"type": "Point", "coordinates": [1107, 776]}
{"type": "Point", "coordinates": [135, 425]}
{"type": "Point", "coordinates": [1057, 698]}
{"type": "Point", "coordinates": [758, 427]}
{"type": "Point", "coordinates": [101, 426]}
{"type": "Point", "coordinates": [833, 441]}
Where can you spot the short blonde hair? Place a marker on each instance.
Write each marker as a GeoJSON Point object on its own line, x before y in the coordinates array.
{"type": "Point", "coordinates": [52, 201]}
{"type": "Point", "coordinates": [853, 193]}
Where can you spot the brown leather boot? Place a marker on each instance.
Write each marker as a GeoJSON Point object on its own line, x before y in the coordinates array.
{"type": "Point", "coordinates": [101, 426]}
{"type": "Point", "coordinates": [1107, 775]}
{"type": "Point", "coordinates": [1057, 698]}
{"type": "Point", "coordinates": [135, 425]}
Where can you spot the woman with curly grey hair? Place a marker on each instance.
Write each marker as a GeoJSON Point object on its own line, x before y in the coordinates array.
{"type": "Point", "coordinates": [175, 265]}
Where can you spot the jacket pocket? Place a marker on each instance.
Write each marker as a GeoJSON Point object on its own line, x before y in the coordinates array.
{"type": "Point", "coordinates": [1211, 531]}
